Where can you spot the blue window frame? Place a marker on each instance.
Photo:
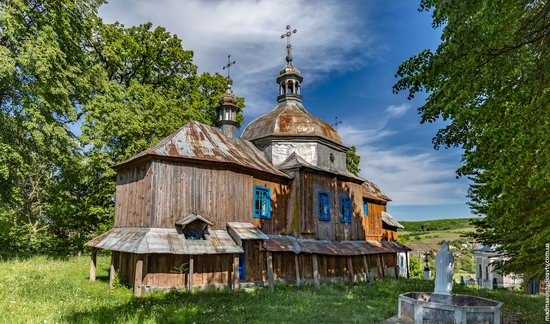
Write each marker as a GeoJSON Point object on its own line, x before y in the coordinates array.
{"type": "Point", "coordinates": [242, 267]}
{"type": "Point", "coordinates": [345, 209]}
{"type": "Point", "coordinates": [262, 202]}
{"type": "Point", "coordinates": [365, 208]}
{"type": "Point", "coordinates": [324, 206]}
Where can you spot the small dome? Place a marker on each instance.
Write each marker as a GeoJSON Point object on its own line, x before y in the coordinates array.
{"type": "Point", "coordinates": [228, 98]}
{"type": "Point", "coordinates": [290, 118]}
{"type": "Point", "coordinates": [289, 70]}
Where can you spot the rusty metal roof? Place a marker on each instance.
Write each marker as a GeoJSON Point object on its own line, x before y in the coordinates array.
{"type": "Point", "coordinates": [389, 220]}
{"type": "Point", "coordinates": [374, 192]}
{"type": "Point", "coordinates": [206, 143]}
{"type": "Point", "coordinates": [281, 243]}
{"type": "Point", "coordinates": [240, 231]}
{"type": "Point", "coordinates": [294, 161]}
{"type": "Point", "coordinates": [143, 240]}
{"type": "Point", "coordinates": [191, 218]}
{"type": "Point", "coordinates": [290, 118]}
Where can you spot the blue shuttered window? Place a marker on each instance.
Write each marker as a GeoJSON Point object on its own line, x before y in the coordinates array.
{"type": "Point", "coordinates": [345, 210]}
{"type": "Point", "coordinates": [324, 206]}
{"type": "Point", "coordinates": [365, 208]}
{"type": "Point", "coordinates": [262, 202]}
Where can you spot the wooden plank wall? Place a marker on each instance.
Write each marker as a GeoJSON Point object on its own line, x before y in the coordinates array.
{"type": "Point", "coordinates": [217, 194]}
{"type": "Point", "coordinates": [165, 271]}
{"type": "Point", "coordinates": [160, 193]}
{"type": "Point", "coordinates": [360, 228]}
{"type": "Point", "coordinates": [133, 196]}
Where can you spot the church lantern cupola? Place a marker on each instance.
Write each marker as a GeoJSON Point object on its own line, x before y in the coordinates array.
{"type": "Point", "coordinates": [228, 109]}
{"type": "Point", "coordinates": [290, 78]}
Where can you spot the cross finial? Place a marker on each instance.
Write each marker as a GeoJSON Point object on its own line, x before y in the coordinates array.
{"type": "Point", "coordinates": [287, 34]}
{"type": "Point", "coordinates": [228, 66]}
{"type": "Point", "coordinates": [336, 122]}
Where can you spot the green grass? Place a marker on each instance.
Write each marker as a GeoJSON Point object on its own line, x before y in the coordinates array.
{"type": "Point", "coordinates": [41, 289]}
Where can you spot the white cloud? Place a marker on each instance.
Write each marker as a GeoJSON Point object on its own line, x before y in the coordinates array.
{"type": "Point", "coordinates": [328, 32]}
{"type": "Point", "coordinates": [399, 110]}
{"type": "Point", "coordinates": [409, 175]}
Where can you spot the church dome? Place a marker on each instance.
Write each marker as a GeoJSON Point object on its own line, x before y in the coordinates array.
{"type": "Point", "coordinates": [290, 118]}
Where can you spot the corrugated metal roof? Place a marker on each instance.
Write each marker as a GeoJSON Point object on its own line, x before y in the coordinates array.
{"type": "Point", "coordinates": [191, 218]}
{"type": "Point", "coordinates": [206, 143]}
{"type": "Point", "coordinates": [388, 219]}
{"type": "Point", "coordinates": [294, 161]}
{"type": "Point", "coordinates": [142, 240]}
{"type": "Point", "coordinates": [290, 118]}
{"type": "Point", "coordinates": [281, 243]}
{"type": "Point", "coordinates": [245, 231]}
{"type": "Point", "coordinates": [374, 192]}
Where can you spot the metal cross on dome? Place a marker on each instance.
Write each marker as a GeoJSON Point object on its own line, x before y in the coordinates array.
{"type": "Point", "coordinates": [287, 34]}
{"type": "Point", "coordinates": [228, 66]}
{"type": "Point", "coordinates": [336, 122]}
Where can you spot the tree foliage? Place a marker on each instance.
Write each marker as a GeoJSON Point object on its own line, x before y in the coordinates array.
{"type": "Point", "coordinates": [489, 79]}
{"type": "Point", "coordinates": [62, 68]}
{"type": "Point", "coordinates": [45, 75]}
{"type": "Point", "coordinates": [353, 160]}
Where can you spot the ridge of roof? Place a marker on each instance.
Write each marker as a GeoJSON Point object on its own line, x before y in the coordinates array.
{"type": "Point", "coordinates": [201, 142]}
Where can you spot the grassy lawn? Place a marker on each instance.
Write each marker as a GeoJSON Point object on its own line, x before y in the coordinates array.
{"type": "Point", "coordinates": [44, 289]}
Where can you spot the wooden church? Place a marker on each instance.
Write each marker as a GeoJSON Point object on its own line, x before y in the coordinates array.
{"type": "Point", "coordinates": [205, 208]}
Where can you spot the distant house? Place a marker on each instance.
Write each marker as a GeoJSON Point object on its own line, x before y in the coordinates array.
{"type": "Point", "coordinates": [486, 275]}
{"type": "Point", "coordinates": [390, 226]}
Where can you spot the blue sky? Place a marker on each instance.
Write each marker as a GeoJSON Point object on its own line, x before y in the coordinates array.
{"type": "Point", "coordinates": [348, 52]}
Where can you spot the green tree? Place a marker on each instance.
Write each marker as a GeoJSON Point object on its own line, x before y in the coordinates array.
{"type": "Point", "coordinates": [45, 75]}
{"type": "Point", "coordinates": [150, 88]}
{"type": "Point", "coordinates": [353, 160]}
{"type": "Point", "coordinates": [489, 78]}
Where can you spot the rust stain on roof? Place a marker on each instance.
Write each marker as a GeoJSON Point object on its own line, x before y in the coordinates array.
{"type": "Point", "coordinates": [374, 192]}
{"type": "Point", "coordinates": [206, 143]}
{"type": "Point", "coordinates": [281, 243]}
{"type": "Point", "coordinates": [142, 240]}
{"type": "Point", "coordinates": [290, 118]}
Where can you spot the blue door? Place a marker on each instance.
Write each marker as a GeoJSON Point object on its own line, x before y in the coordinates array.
{"type": "Point", "coordinates": [242, 267]}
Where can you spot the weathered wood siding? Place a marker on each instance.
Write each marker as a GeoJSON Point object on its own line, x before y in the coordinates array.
{"type": "Point", "coordinates": [305, 211]}
{"type": "Point", "coordinates": [160, 193]}
{"type": "Point", "coordinates": [133, 196]}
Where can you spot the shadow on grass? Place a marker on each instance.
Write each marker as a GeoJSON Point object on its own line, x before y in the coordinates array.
{"type": "Point", "coordinates": [9, 256]}
{"type": "Point", "coordinates": [333, 303]}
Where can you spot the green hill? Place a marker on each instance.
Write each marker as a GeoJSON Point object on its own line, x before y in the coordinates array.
{"type": "Point", "coordinates": [437, 225]}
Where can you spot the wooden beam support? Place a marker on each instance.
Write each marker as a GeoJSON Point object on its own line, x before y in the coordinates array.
{"type": "Point", "coordinates": [236, 284]}
{"type": "Point", "coordinates": [407, 263]}
{"type": "Point", "coordinates": [191, 276]}
{"type": "Point", "coordinates": [297, 266]}
{"type": "Point", "coordinates": [316, 276]}
{"type": "Point", "coordinates": [366, 267]}
{"type": "Point", "coordinates": [381, 266]}
{"type": "Point", "coordinates": [350, 269]}
{"type": "Point", "coordinates": [112, 271]}
{"type": "Point", "coordinates": [93, 264]}
{"type": "Point", "coordinates": [138, 280]}
{"type": "Point", "coordinates": [270, 270]}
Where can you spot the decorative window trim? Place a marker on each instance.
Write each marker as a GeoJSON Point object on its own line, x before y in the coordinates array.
{"type": "Point", "coordinates": [345, 217]}
{"type": "Point", "coordinates": [322, 216]}
{"type": "Point", "coordinates": [257, 213]}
